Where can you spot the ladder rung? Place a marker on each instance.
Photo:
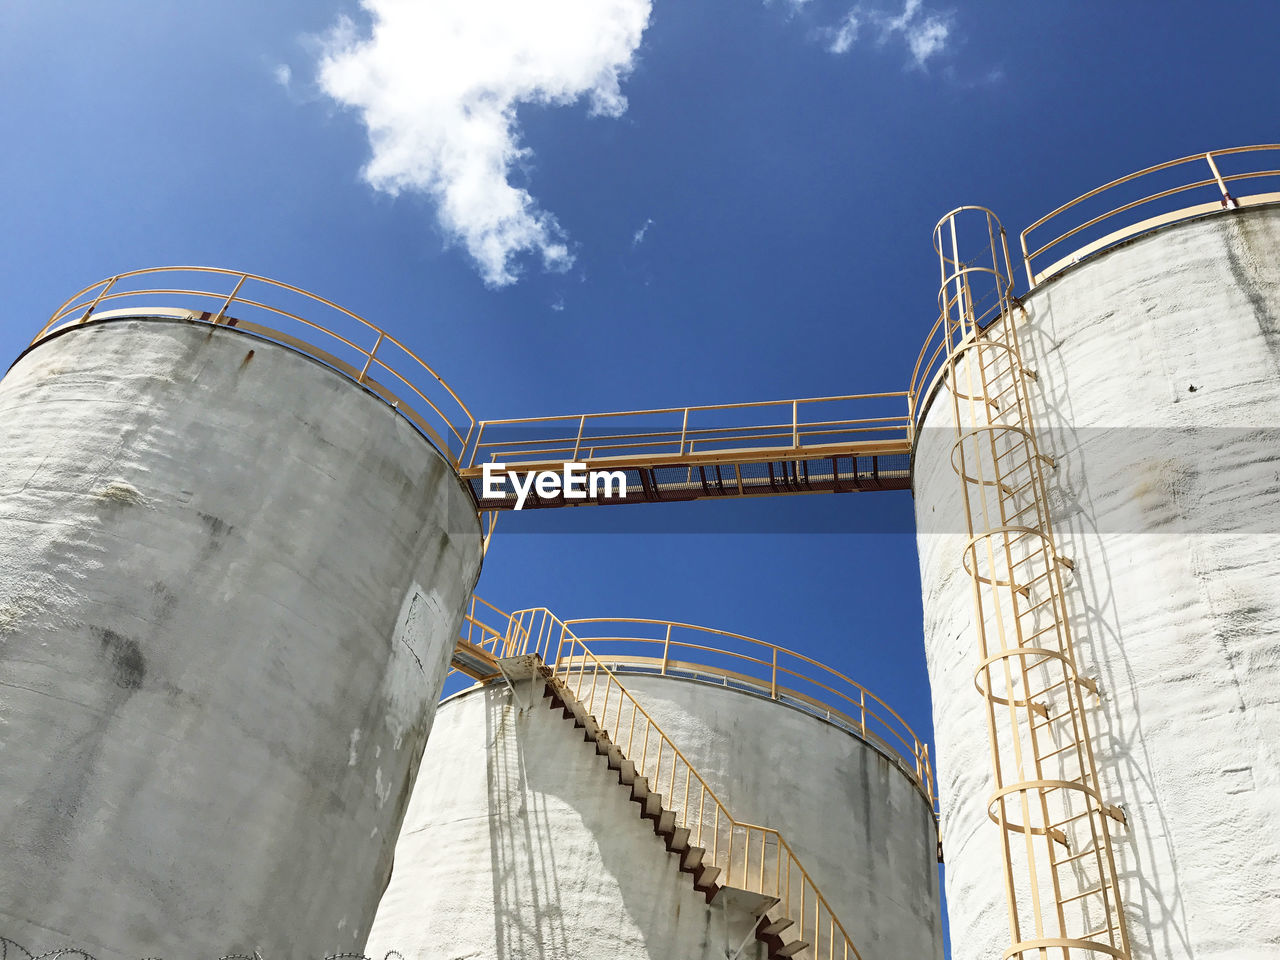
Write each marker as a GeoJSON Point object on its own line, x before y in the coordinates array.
{"type": "Point", "coordinates": [1038, 605]}
{"type": "Point", "coordinates": [1018, 490]}
{"type": "Point", "coordinates": [1030, 506]}
{"type": "Point", "coordinates": [1050, 756]}
{"type": "Point", "coordinates": [1074, 857]}
{"type": "Point", "coordinates": [1109, 929]}
{"type": "Point", "coordinates": [1080, 896]}
{"type": "Point", "coordinates": [1053, 719]}
{"type": "Point", "coordinates": [1055, 625]}
{"type": "Point", "coordinates": [1052, 686]}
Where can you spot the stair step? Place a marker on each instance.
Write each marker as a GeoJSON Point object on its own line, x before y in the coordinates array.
{"type": "Point", "coordinates": [787, 941]}
{"type": "Point", "coordinates": [741, 900]}
{"type": "Point", "coordinates": [678, 841]}
{"type": "Point", "coordinates": [615, 756]}
{"type": "Point", "coordinates": [665, 823]}
{"type": "Point", "coordinates": [639, 788]}
{"type": "Point", "coordinates": [692, 859]}
{"type": "Point", "coordinates": [790, 949]}
{"type": "Point", "coordinates": [651, 807]}
{"type": "Point", "coordinates": [626, 772]}
{"type": "Point", "coordinates": [771, 928]}
{"type": "Point", "coordinates": [706, 878]}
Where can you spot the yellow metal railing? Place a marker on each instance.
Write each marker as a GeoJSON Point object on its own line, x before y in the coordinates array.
{"type": "Point", "coordinates": [932, 361]}
{"type": "Point", "coordinates": [1152, 214]}
{"type": "Point", "coordinates": [1062, 887]}
{"type": "Point", "coordinates": [813, 427]}
{"type": "Point", "coordinates": [731, 659]}
{"type": "Point", "coordinates": [420, 393]}
{"type": "Point", "coordinates": [490, 636]}
{"type": "Point", "coordinates": [749, 856]}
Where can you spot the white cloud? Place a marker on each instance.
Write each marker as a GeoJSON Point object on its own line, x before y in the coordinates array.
{"type": "Point", "coordinates": [924, 33]}
{"type": "Point", "coordinates": [843, 34]}
{"type": "Point", "coordinates": [437, 84]}
{"type": "Point", "coordinates": [283, 75]}
{"type": "Point", "coordinates": [637, 238]}
{"type": "Point", "coordinates": [927, 38]}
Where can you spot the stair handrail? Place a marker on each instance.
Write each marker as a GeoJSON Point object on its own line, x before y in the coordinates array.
{"type": "Point", "coordinates": [774, 672]}
{"type": "Point", "coordinates": [538, 632]}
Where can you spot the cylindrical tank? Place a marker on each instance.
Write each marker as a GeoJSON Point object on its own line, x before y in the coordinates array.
{"type": "Point", "coordinates": [230, 583]}
{"type": "Point", "coordinates": [520, 842]}
{"type": "Point", "coordinates": [1155, 389]}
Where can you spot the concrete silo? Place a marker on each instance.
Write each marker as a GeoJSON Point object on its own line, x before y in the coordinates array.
{"type": "Point", "coordinates": [231, 575]}
{"type": "Point", "coordinates": [1098, 506]}
{"type": "Point", "coordinates": [621, 802]}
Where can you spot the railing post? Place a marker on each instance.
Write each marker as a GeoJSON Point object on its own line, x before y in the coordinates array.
{"type": "Point", "coordinates": [684, 429]}
{"type": "Point", "coordinates": [230, 298]}
{"type": "Point", "coordinates": [666, 650]}
{"type": "Point", "coordinates": [773, 677]}
{"type": "Point", "coordinates": [1026, 260]}
{"type": "Point", "coordinates": [94, 306]}
{"type": "Point", "coordinates": [475, 450]}
{"type": "Point", "coordinates": [582, 423]}
{"type": "Point", "coordinates": [466, 441]}
{"type": "Point", "coordinates": [795, 423]}
{"type": "Point", "coordinates": [369, 357]}
{"type": "Point", "coordinates": [1228, 200]}
{"type": "Point", "coordinates": [509, 639]}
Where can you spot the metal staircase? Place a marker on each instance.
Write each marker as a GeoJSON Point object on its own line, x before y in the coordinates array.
{"type": "Point", "coordinates": [751, 867]}
{"type": "Point", "coordinates": [778, 933]}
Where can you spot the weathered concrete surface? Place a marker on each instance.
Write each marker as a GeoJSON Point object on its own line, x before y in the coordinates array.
{"type": "Point", "coordinates": [519, 842]}
{"type": "Point", "coordinates": [1168, 499]}
{"type": "Point", "coordinates": [229, 585]}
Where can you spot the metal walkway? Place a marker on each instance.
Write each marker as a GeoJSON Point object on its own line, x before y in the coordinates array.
{"type": "Point", "coordinates": [821, 445]}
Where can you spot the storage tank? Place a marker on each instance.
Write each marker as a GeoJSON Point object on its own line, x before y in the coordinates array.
{"type": "Point", "coordinates": [1124, 678]}
{"type": "Point", "coordinates": [230, 580]}
{"type": "Point", "coordinates": [528, 837]}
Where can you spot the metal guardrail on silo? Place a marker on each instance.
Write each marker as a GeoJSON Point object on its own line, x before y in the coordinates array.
{"type": "Point", "coordinates": [1154, 213]}
{"type": "Point", "coordinates": [256, 305]}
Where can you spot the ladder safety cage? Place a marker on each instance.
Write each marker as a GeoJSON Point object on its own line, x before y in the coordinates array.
{"type": "Point", "coordinates": [1061, 884]}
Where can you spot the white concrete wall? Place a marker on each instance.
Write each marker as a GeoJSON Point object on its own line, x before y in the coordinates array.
{"type": "Point", "coordinates": [523, 845]}
{"type": "Point", "coordinates": [229, 584]}
{"type": "Point", "coordinates": [1168, 500]}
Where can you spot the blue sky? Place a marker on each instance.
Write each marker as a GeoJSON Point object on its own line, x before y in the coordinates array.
{"type": "Point", "coordinates": [786, 191]}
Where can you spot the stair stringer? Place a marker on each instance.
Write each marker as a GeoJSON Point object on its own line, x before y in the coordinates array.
{"type": "Point", "coordinates": [781, 935]}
